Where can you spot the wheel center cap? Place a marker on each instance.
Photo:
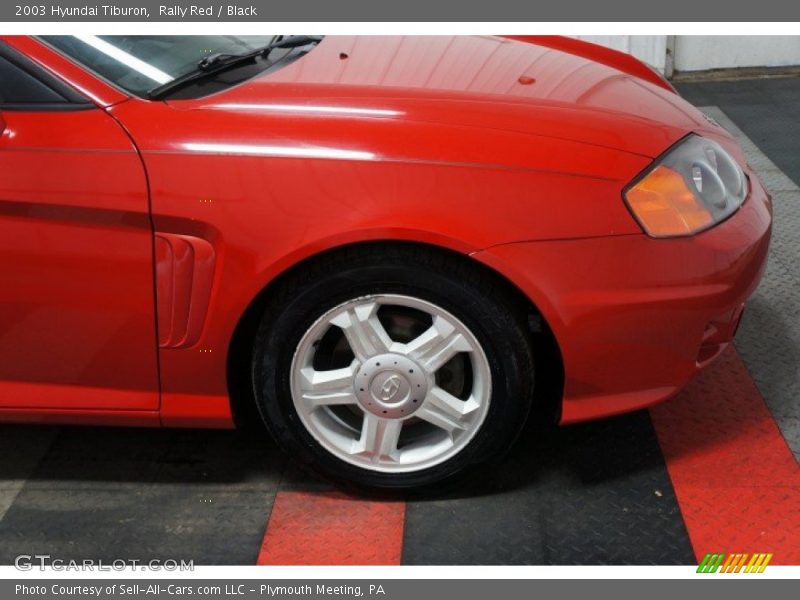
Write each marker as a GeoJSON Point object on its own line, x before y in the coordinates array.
{"type": "Point", "coordinates": [390, 386]}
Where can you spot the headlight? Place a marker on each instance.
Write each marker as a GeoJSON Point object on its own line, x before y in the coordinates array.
{"type": "Point", "coordinates": [692, 187]}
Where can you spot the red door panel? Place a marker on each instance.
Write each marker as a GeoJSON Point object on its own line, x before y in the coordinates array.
{"type": "Point", "coordinates": [77, 322]}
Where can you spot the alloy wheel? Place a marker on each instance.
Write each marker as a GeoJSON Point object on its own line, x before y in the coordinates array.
{"type": "Point", "coordinates": [391, 383]}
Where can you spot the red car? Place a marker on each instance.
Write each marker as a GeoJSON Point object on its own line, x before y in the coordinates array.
{"type": "Point", "coordinates": [395, 248]}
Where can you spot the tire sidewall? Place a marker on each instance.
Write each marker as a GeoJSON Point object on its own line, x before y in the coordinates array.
{"type": "Point", "coordinates": [494, 326]}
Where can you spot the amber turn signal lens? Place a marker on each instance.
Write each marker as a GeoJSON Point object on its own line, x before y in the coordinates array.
{"type": "Point", "coordinates": [665, 206]}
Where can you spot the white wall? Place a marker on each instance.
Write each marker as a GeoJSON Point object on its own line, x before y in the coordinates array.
{"type": "Point", "coordinates": [701, 52]}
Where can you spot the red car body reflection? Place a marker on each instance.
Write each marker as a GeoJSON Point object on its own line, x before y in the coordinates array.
{"type": "Point", "coordinates": [134, 236]}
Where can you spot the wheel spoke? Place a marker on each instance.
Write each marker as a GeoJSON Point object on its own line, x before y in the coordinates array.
{"type": "Point", "coordinates": [327, 388]}
{"type": "Point", "coordinates": [363, 330]}
{"type": "Point", "coordinates": [437, 345]}
{"type": "Point", "coordinates": [379, 438]}
{"type": "Point", "coordinates": [445, 411]}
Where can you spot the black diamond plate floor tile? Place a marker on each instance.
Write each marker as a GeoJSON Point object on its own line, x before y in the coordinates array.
{"type": "Point", "coordinates": [145, 494]}
{"type": "Point", "coordinates": [596, 493]}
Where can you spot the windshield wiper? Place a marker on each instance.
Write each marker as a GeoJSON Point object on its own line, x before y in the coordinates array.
{"type": "Point", "coordinates": [217, 63]}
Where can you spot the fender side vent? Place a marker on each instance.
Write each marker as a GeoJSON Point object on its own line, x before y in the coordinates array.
{"type": "Point", "coordinates": [184, 275]}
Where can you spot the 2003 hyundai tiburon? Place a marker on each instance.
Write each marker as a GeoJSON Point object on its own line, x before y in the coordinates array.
{"type": "Point", "coordinates": [396, 248]}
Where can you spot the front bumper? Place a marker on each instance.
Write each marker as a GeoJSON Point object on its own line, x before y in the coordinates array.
{"type": "Point", "coordinates": [635, 317]}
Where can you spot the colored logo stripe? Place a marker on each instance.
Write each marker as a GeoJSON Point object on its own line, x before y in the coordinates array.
{"type": "Point", "coordinates": [734, 563]}
{"type": "Point", "coordinates": [760, 564]}
{"type": "Point", "coordinates": [710, 563]}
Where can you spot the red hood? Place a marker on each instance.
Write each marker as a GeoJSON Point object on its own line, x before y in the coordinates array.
{"type": "Point", "coordinates": [486, 82]}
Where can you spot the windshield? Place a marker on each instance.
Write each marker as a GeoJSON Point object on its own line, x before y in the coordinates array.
{"type": "Point", "coordinates": [138, 63]}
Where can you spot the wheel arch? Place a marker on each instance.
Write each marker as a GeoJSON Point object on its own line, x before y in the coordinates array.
{"type": "Point", "coordinates": [549, 380]}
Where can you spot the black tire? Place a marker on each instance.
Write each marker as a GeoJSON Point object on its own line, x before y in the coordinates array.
{"type": "Point", "coordinates": [484, 305]}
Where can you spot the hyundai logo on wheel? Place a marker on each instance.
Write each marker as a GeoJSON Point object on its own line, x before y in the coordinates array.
{"type": "Point", "coordinates": [390, 388]}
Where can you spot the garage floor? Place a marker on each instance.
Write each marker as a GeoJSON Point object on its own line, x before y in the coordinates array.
{"type": "Point", "coordinates": [714, 470]}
